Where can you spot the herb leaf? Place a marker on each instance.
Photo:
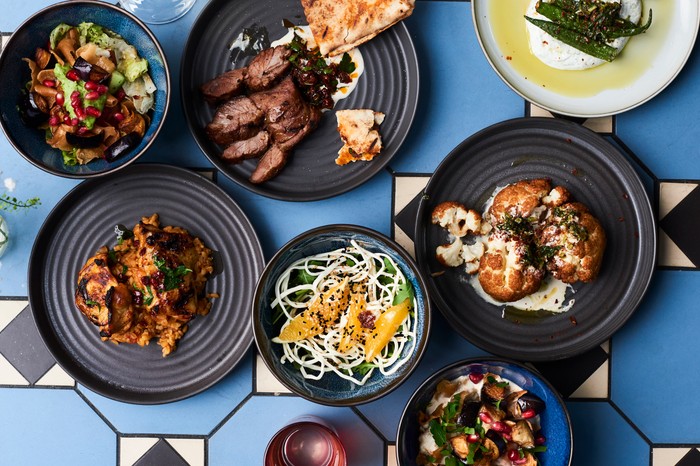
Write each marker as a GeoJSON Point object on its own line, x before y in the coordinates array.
{"type": "Point", "coordinates": [171, 277]}
{"type": "Point", "coordinates": [437, 430]}
{"type": "Point", "coordinates": [404, 292]}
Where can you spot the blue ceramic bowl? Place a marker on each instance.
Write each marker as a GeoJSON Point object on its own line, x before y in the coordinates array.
{"type": "Point", "coordinates": [14, 74]}
{"type": "Point", "coordinates": [331, 389]}
{"type": "Point", "coordinates": [555, 422]}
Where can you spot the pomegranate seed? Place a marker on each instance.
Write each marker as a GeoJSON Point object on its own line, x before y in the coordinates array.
{"type": "Point", "coordinates": [66, 120]}
{"type": "Point", "coordinates": [499, 426]}
{"type": "Point", "coordinates": [91, 85]}
{"type": "Point", "coordinates": [528, 413]}
{"type": "Point", "coordinates": [92, 95]}
{"type": "Point", "coordinates": [92, 111]}
{"type": "Point", "coordinates": [102, 89]}
{"type": "Point", "coordinates": [74, 122]}
{"type": "Point", "coordinates": [119, 116]}
{"type": "Point", "coordinates": [475, 377]}
{"type": "Point", "coordinates": [522, 460]}
{"type": "Point", "coordinates": [54, 121]}
{"type": "Point", "coordinates": [506, 436]}
{"type": "Point", "coordinates": [540, 439]}
{"type": "Point", "coordinates": [75, 95]}
{"type": "Point", "coordinates": [485, 417]}
{"type": "Point", "coordinates": [60, 100]}
{"type": "Point", "coordinates": [120, 94]}
{"type": "Point", "coordinates": [82, 130]}
{"type": "Point", "coordinates": [73, 75]}
{"type": "Point", "coordinates": [473, 438]}
{"type": "Point", "coordinates": [513, 455]}
{"type": "Point", "coordinates": [49, 83]}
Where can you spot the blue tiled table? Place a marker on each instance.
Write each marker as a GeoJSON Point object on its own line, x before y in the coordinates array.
{"type": "Point", "coordinates": [632, 400]}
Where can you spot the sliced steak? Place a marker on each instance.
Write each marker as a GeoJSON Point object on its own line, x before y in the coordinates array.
{"type": "Point", "coordinates": [288, 117]}
{"type": "Point", "coordinates": [270, 164]}
{"type": "Point", "coordinates": [268, 67]}
{"type": "Point", "coordinates": [237, 119]}
{"type": "Point", "coordinates": [247, 148]}
{"type": "Point", "coordinates": [225, 86]}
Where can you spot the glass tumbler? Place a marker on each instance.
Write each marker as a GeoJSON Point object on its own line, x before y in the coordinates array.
{"type": "Point", "coordinates": [157, 11]}
{"type": "Point", "coordinates": [307, 441]}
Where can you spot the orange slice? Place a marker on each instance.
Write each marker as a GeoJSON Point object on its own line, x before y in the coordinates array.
{"type": "Point", "coordinates": [353, 330]}
{"type": "Point", "coordinates": [385, 327]}
{"type": "Point", "coordinates": [321, 314]}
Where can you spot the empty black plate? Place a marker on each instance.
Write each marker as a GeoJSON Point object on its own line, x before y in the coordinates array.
{"type": "Point", "coordinates": [389, 85]}
{"type": "Point", "coordinates": [83, 221]}
{"type": "Point", "coordinates": [596, 174]}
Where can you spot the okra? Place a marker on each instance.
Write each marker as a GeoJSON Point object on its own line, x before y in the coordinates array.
{"type": "Point", "coordinates": [599, 28]}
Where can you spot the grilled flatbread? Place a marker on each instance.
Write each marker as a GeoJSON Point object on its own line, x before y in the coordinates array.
{"type": "Point", "coordinates": [340, 25]}
{"type": "Point", "coordinates": [358, 130]}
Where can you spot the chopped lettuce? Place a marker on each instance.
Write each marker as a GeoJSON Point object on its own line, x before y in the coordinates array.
{"type": "Point", "coordinates": [128, 61]}
{"type": "Point", "coordinates": [70, 158]}
{"type": "Point", "coordinates": [141, 91]}
{"type": "Point", "coordinates": [58, 33]}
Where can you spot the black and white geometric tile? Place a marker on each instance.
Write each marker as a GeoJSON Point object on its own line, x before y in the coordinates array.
{"type": "Point", "coordinates": [679, 221]}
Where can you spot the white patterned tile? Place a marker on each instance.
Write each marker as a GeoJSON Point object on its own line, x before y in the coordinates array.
{"type": "Point", "coordinates": [599, 125]}
{"type": "Point", "coordinates": [671, 194]}
{"type": "Point", "coordinates": [191, 449]}
{"type": "Point", "coordinates": [407, 188]}
{"type": "Point", "coordinates": [131, 449]}
{"type": "Point", "coordinates": [391, 455]}
{"type": "Point", "coordinates": [9, 375]}
{"type": "Point", "coordinates": [596, 386]}
{"type": "Point", "coordinates": [404, 240]}
{"type": "Point", "coordinates": [55, 377]}
{"type": "Point", "coordinates": [265, 381]}
{"type": "Point", "coordinates": [9, 309]}
{"type": "Point", "coordinates": [668, 456]}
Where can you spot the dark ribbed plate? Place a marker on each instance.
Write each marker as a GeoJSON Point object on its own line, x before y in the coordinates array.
{"type": "Point", "coordinates": [83, 221]}
{"type": "Point", "coordinates": [598, 175]}
{"type": "Point", "coordinates": [389, 84]}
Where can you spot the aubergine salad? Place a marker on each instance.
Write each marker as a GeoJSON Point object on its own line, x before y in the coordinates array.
{"type": "Point", "coordinates": [90, 92]}
{"type": "Point", "coordinates": [483, 420]}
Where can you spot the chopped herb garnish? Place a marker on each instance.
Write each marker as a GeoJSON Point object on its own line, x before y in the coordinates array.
{"type": "Point", "coordinates": [438, 432]}
{"type": "Point", "coordinates": [92, 303]}
{"type": "Point", "coordinates": [171, 277]}
{"type": "Point", "coordinates": [123, 233]}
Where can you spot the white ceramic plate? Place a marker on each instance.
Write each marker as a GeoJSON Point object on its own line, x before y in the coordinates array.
{"type": "Point", "coordinates": [646, 66]}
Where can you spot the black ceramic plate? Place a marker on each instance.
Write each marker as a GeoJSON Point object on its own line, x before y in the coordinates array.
{"type": "Point", "coordinates": [83, 221]}
{"type": "Point", "coordinates": [598, 175]}
{"type": "Point", "coordinates": [389, 85]}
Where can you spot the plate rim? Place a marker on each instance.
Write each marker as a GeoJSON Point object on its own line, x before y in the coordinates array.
{"type": "Point", "coordinates": [51, 339]}
{"type": "Point", "coordinates": [541, 353]}
{"type": "Point", "coordinates": [409, 114]}
{"type": "Point", "coordinates": [560, 111]}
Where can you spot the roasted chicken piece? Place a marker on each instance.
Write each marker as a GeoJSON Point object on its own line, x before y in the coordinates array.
{"type": "Point", "coordinates": [149, 286]}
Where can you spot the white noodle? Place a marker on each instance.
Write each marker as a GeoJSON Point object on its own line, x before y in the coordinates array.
{"type": "Point", "coordinates": [318, 355]}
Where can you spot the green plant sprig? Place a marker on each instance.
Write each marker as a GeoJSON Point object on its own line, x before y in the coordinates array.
{"type": "Point", "coordinates": [10, 203]}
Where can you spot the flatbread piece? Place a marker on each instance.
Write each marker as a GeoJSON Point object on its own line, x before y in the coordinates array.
{"type": "Point", "coordinates": [340, 25]}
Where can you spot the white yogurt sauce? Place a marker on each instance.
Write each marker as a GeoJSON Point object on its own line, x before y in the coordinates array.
{"type": "Point", "coordinates": [344, 90]}
{"type": "Point", "coordinates": [559, 55]}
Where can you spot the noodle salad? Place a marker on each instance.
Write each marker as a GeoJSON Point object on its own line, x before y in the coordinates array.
{"type": "Point", "coordinates": [347, 311]}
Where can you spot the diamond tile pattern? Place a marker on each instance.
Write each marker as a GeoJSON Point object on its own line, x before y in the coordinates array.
{"type": "Point", "coordinates": [682, 223]}
{"type": "Point", "coordinates": [161, 454]}
{"type": "Point", "coordinates": [690, 459]}
{"type": "Point", "coordinates": [22, 346]}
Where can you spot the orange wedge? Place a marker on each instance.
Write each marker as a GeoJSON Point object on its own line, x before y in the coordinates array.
{"type": "Point", "coordinates": [385, 327]}
{"type": "Point", "coordinates": [353, 330]}
{"type": "Point", "coordinates": [321, 314]}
